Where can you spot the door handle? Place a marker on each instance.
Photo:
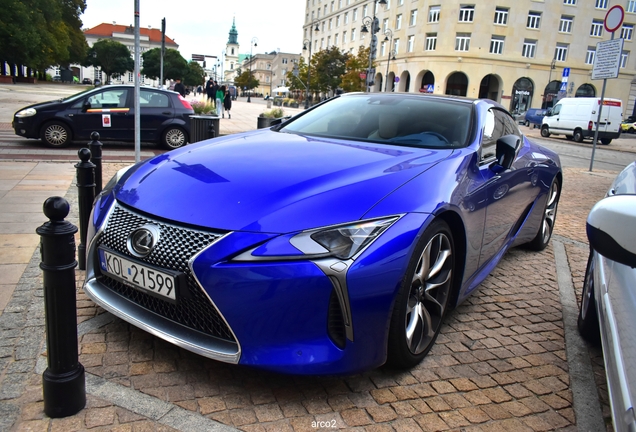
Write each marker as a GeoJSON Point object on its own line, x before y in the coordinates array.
{"type": "Point", "coordinates": [166, 113]}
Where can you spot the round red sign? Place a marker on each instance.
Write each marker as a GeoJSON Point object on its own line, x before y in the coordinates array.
{"type": "Point", "coordinates": [614, 18]}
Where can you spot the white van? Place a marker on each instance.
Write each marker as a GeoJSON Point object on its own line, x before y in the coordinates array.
{"type": "Point", "coordinates": [576, 118]}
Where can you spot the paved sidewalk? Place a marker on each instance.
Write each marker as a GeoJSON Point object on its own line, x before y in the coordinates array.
{"type": "Point", "coordinates": [501, 362]}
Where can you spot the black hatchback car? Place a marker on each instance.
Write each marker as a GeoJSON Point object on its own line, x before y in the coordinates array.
{"type": "Point", "coordinates": [109, 110]}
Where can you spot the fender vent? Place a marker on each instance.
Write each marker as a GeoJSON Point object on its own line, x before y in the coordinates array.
{"type": "Point", "coordinates": [335, 322]}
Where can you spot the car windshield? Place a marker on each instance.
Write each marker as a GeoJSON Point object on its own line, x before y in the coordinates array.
{"type": "Point", "coordinates": [417, 121]}
{"type": "Point", "coordinates": [76, 95]}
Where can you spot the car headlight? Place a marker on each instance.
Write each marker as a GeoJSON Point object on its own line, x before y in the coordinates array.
{"type": "Point", "coordinates": [342, 241]}
{"type": "Point", "coordinates": [28, 112]}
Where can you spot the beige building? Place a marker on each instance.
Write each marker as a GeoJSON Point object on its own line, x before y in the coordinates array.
{"type": "Point", "coordinates": [270, 69]}
{"type": "Point", "coordinates": [512, 51]}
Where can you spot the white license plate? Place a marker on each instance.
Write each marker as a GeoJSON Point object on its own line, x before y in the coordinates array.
{"type": "Point", "coordinates": [138, 276]}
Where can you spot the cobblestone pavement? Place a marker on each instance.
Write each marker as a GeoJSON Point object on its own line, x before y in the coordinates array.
{"type": "Point", "coordinates": [500, 363]}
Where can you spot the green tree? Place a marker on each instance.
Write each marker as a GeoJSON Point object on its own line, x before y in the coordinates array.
{"type": "Point", "coordinates": [174, 65]}
{"type": "Point", "coordinates": [328, 66]}
{"type": "Point", "coordinates": [351, 81]}
{"type": "Point", "coordinates": [246, 80]}
{"type": "Point", "coordinates": [195, 75]}
{"type": "Point", "coordinates": [298, 82]}
{"type": "Point", "coordinates": [41, 33]}
{"type": "Point", "coordinates": [111, 56]}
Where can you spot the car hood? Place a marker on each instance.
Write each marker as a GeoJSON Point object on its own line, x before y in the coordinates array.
{"type": "Point", "coordinates": [266, 181]}
{"type": "Point", "coordinates": [44, 105]}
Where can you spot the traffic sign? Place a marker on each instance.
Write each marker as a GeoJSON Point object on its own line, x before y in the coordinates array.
{"type": "Point", "coordinates": [614, 18]}
{"type": "Point", "coordinates": [566, 73]}
{"type": "Point", "coordinates": [607, 60]}
{"type": "Point", "coordinates": [198, 57]}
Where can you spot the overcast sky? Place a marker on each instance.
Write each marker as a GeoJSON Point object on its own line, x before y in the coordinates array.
{"type": "Point", "coordinates": [202, 27]}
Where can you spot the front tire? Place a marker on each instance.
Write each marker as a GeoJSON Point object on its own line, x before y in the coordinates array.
{"type": "Point", "coordinates": [588, 317]}
{"type": "Point", "coordinates": [544, 234]}
{"type": "Point", "coordinates": [56, 134]}
{"type": "Point", "coordinates": [173, 138]}
{"type": "Point", "coordinates": [423, 298]}
{"type": "Point", "coordinates": [606, 141]}
{"type": "Point", "coordinates": [545, 131]}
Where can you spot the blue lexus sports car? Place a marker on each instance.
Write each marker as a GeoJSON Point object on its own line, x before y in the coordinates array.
{"type": "Point", "coordinates": [333, 242]}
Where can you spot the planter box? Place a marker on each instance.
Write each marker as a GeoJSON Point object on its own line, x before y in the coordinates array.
{"type": "Point", "coordinates": [265, 122]}
{"type": "Point", "coordinates": [6, 79]}
{"type": "Point", "coordinates": [29, 80]}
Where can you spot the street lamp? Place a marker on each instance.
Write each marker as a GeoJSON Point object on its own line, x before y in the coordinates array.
{"type": "Point", "coordinates": [253, 43]}
{"type": "Point", "coordinates": [545, 92]}
{"type": "Point", "coordinates": [374, 23]}
{"type": "Point", "coordinates": [310, 42]}
{"type": "Point", "coordinates": [388, 36]}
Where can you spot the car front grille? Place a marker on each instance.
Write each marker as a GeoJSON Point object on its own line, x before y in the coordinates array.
{"type": "Point", "coordinates": [176, 246]}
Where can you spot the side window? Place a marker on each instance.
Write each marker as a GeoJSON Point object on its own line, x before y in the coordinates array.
{"type": "Point", "coordinates": [510, 127]}
{"type": "Point", "coordinates": [115, 98]}
{"type": "Point", "coordinates": [556, 109]}
{"type": "Point", "coordinates": [152, 99]}
{"type": "Point", "coordinates": [493, 130]}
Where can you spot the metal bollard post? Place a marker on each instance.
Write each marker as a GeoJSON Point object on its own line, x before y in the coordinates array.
{"type": "Point", "coordinates": [86, 196]}
{"type": "Point", "coordinates": [63, 383]}
{"type": "Point", "coordinates": [96, 157]}
{"type": "Point", "coordinates": [211, 131]}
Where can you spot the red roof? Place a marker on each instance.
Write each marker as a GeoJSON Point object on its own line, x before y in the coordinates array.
{"type": "Point", "coordinates": [107, 30]}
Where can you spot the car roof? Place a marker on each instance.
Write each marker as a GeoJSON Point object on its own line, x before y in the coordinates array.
{"type": "Point", "coordinates": [132, 86]}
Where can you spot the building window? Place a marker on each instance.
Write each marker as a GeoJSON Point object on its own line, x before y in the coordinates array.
{"type": "Point", "coordinates": [529, 48]}
{"type": "Point", "coordinates": [501, 16]}
{"type": "Point", "coordinates": [284, 61]}
{"type": "Point", "coordinates": [332, 6]}
{"type": "Point", "coordinates": [624, 59]}
{"type": "Point", "coordinates": [396, 46]}
{"type": "Point", "coordinates": [355, 15]}
{"type": "Point", "coordinates": [344, 37]}
{"type": "Point", "coordinates": [413, 18]}
{"type": "Point", "coordinates": [561, 52]}
{"type": "Point", "coordinates": [388, 6]}
{"type": "Point", "coordinates": [365, 9]}
{"type": "Point", "coordinates": [398, 22]}
{"type": "Point", "coordinates": [601, 4]}
{"type": "Point", "coordinates": [534, 20]}
{"type": "Point", "coordinates": [383, 48]}
{"type": "Point", "coordinates": [627, 31]}
{"type": "Point", "coordinates": [496, 45]}
{"type": "Point", "coordinates": [410, 43]}
{"type": "Point", "coordinates": [385, 25]}
{"type": "Point", "coordinates": [631, 6]}
{"type": "Point", "coordinates": [400, 2]}
{"type": "Point", "coordinates": [328, 41]}
{"type": "Point", "coordinates": [335, 39]}
{"type": "Point", "coordinates": [431, 41]}
{"type": "Point", "coordinates": [597, 28]}
{"type": "Point", "coordinates": [433, 14]}
{"type": "Point", "coordinates": [346, 18]}
{"type": "Point", "coordinates": [569, 2]}
{"type": "Point", "coordinates": [462, 42]}
{"type": "Point", "coordinates": [353, 34]}
{"type": "Point", "coordinates": [338, 21]}
{"type": "Point", "coordinates": [330, 24]}
{"type": "Point", "coordinates": [565, 25]}
{"type": "Point", "coordinates": [466, 13]}
{"type": "Point", "coordinates": [589, 57]}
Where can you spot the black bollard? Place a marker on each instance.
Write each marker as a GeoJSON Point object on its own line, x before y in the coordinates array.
{"type": "Point", "coordinates": [96, 157]}
{"type": "Point", "coordinates": [63, 383]}
{"type": "Point", "coordinates": [86, 196]}
{"type": "Point", "coordinates": [211, 131]}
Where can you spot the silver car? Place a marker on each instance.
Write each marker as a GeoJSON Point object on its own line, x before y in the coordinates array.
{"type": "Point", "coordinates": [608, 306]}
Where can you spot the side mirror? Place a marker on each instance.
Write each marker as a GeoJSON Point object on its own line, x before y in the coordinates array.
{"type": "Point", "coordinates": [86, 105]}
{"type": "Point", "coordinates": [548, 113]}
{"type": "Point", "coordinates": [506, 152]}
{"type": "Point", "coordinates": [610, 228]}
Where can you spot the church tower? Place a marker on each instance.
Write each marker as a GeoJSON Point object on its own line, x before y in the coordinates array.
{"type": "Point", "coordinates": [231, 62]}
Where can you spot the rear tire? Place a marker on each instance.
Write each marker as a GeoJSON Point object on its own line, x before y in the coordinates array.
{"type": "Point", "coordinates": [606, 141]}
{"type": "Point", "coordinates": [545, 131]}
{"type": "Point", "coordinates": [568, 137]}
{"type": "Point", "coordinates": [173, 138]}
{"type": "Point", "coordinates": [56, 134]}
{"type": "Point", "coordinates": [423, 297]}
{"type": "Point", "coordinates": [544, 234]}
{"type": "Point", "coordinates": [588, 318]}
{"type": "Point", "coordinates": [578, 136]}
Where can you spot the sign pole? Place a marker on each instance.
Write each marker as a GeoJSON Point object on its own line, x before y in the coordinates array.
{"type": "Point", "coordinates": [137, 86]}
{"type": "Point", "coordinates": [598, 120]}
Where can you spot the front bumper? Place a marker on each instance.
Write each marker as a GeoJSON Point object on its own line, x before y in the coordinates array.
{"type": "Point", "coordinates": [285, 316]}
{"type": "Point", "coordinates": [24, 126]}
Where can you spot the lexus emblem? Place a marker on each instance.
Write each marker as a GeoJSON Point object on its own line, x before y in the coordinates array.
{"type": "Point", "coordinates": [142, 240]}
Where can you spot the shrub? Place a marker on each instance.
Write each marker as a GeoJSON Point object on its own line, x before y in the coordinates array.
{"type": "Point", "coordinates": [202, 107]}
{"type": "Point", "coordinates": [273, 113]}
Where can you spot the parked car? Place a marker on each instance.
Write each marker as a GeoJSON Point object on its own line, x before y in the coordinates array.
{"type": "Point", "coordinates": [56, 78]}
{"type": "Point", "coordinates": [109, 110]}
{"type": "Point", "coordinates": [87, 81]}
{"type": "Point", "coordinates": [608, 304]}
{"type": "Point", "coordinates": [534, 117]}
{"type": "Point", "coordinates": [629, 125]}
{"type": "Point", "coordinates": [332, 242]}
{"type": "Point", "coordinates": [576, 118]}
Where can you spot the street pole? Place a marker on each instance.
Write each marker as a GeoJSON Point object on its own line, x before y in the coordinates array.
{"type": "Point", "coordinates": [163, 50]}
{"type": "Point", "coordinates": [388, 60]}
{"type": "Point", "coordinates": [373, 45]}
{"type": "Point", "coordinates": [311, 42]}
{"type": "Point", "coordinates": [137, 86]}
{"type": "Point", "coordinates": [253, 43]}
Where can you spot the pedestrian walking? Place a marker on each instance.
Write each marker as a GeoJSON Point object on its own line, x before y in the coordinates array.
{"type": "Point", "coordinates": [227, 102]}
{"type": "Point", "coordinates": [220, 95]}
{"type": "Point", "coordinates": [180, 88]}
{"type": "Point", "coordinates": [210, 90]}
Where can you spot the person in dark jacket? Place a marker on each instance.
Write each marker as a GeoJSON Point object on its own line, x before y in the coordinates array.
{"type": "Point", "coordinates": [210, 90]}
{"type": "Point", "coordinates": [180, 88]}
{"type": "Point", "coordinates": [227, 103]}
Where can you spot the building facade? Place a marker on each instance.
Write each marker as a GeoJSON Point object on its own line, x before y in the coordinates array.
{"type": "Point", "coordinates": [149, 38]}
{"type": "Point", "coordinates": [512, 51]}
